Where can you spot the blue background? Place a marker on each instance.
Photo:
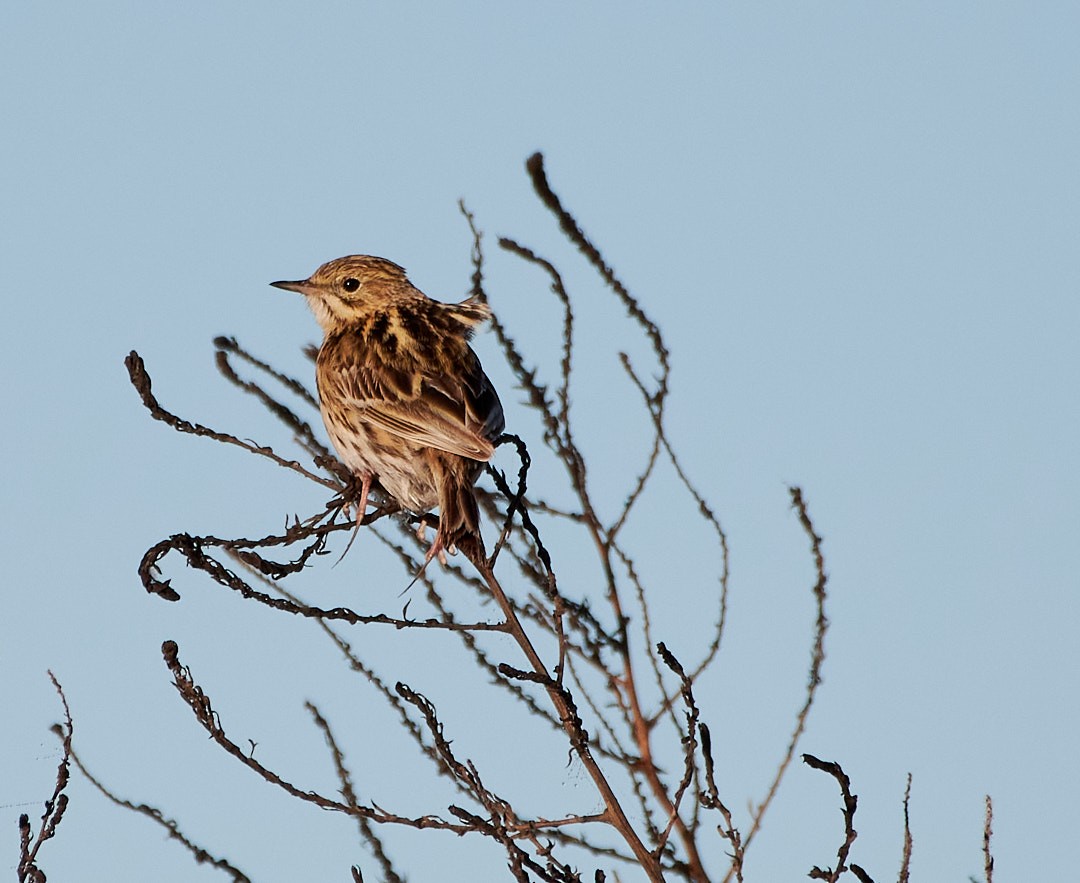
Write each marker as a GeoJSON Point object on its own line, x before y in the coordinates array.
{"type": "Point", "coordinates": [857, 225]}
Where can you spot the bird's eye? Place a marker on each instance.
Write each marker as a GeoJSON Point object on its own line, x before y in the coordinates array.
{"type": "Point", "coordinates": [351, 284]}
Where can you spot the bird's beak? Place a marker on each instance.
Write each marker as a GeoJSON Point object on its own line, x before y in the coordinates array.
{"type": "Point", "coordinates": [299, 287]}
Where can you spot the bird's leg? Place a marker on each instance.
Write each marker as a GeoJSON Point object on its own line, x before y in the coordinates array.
{"type": "Point", "coordinates": [365, 489]}
{"type": "Point", "coordinates": [421, 529]}
{"type": "Point", "coordinates": [437, 548]}
{"type": "Point", "coordinates": [358, 500]}
{"type": "Point", "coordinates": [361, 511]}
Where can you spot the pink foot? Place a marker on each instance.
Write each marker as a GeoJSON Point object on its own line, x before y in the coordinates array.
{"type": "Point", "coordinates": [365, 489]}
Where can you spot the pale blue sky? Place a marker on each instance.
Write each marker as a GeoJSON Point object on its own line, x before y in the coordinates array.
{"type": "Point", "coordinates": [857, 225]}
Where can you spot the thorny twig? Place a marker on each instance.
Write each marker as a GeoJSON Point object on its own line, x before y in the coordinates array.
{"type": "Point", "coordinates": [140, 379]}
{"type": "Point", "coordinates": [710, 799]}
{"type": "Point", "coordinates": [367, 830]}
{"type": "Point", "coordinates": [171, 826]}
{"type": "Point", "coordinates": [850, 805]}
{"type": "Point", "coordinates": [905, 859]}
{"type": "Point", "coordinates": [817, 658]}
{"type": "Point", "coordinates": [29, 845]}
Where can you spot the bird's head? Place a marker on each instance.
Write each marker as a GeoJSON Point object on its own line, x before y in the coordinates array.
{"type": "Point", "coordinates": [346, 289]}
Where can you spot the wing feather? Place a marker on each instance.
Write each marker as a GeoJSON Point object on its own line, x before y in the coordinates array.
{"type": "Point", "coordinates": [456, 415]}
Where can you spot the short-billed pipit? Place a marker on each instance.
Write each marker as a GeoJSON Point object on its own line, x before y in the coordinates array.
{"type": "Point", "coordinates": [403, 396]}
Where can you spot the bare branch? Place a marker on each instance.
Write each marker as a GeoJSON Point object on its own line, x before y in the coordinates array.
{"type": "Point", "coordinates": [171, 826]}
{"type": "Point", "coordinates": [850, 804]}
{"type": "Point", "coordinates": [569, 226]}
{"type": "Point", "coordinates": [817, 657]}
{"type": "Point", "coordinates": [689, 744]}
{"type": "Point", "coordinates": [562, 417]}
{"type": "Point", "coordinates": [199, 702]}
{"type": "Point", "coordinates": [140, 379]}
{"type": "Point", "coordinates": [229, 345]}
{"type": "Point", "coordinates": [563, 703]}
{"type": "Point", "coordinates": [704, 510]}
{"type": "Point", "coordinates": [905, 862]}
{"type": "Point", "coordinates": [302, 430]}
{"type": "Point", "coordinates": [349, 794]}
{"type": "Point", "coordinates": [30, 846]}
{"type": "Point", "coordinates": [710, 799]}
{"type": "Point", "coordinates": [502, 823]}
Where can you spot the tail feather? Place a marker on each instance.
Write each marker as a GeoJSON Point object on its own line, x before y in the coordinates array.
{"type": "Point", "coordinates": [459, 516]}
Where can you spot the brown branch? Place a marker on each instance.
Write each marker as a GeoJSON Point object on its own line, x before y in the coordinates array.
{"type": "Point", "coordinates": [30, 846]}
{"type": "Point", "coordinates": [558, 288]}
{"type": "Point", "coordinates": [349, 794]}
{"type": "Point", "coordinates": [639, 485]}
{"type": "Point", "coordinates": [710, 799]}
{"type": "Point", "coordinates": [199, 703]}
{"type": "Point", "coordinates": [535, 167]}
{"type": "Point", "coordinates": [357, 665]}
{"type": "Point", "coordinates": [468, 639]}
{"type": "Point", "coordinates": [171, 826]}
{"type": "Point", "coordinates": [516, 828]}
{"type": "Point", "coordinates": [667, 701]}
{"type": "Point", "coordinates": [817, 658]}
{"type": "Point", "coordinates": [192, 548]}
{"type": "Point", "coordinates": [560, 698]}
{"type": "Point", "coordinates": [526, 377]}
{"type": "Point", "coordinates": [689, 743]}
{"type": "Point", "coordinates": [229, 345]}
{"type": "Point", "coordinates": [302, 430]}
{"type": "Point", "coordinates": [905, 861]}
{"type": "Point", "coordinates": [988, 831]}
{"type": "Point", "coordinates": [656, 414]}
{"type": "Point", "coordinates": [502, 823]}
{"type": "Point", "coordinates": [850, 804]}
{"type": "Point", "coordinates": [629, 700]}
{"type": "Point", "coordinates": [140, 379]}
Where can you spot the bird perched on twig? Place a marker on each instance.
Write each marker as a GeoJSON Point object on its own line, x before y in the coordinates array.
{"type": "Point", "coordinates": [403, 396]}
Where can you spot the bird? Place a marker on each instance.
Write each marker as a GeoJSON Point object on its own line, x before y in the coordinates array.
{"type": "Point", "coordinates": [403, 396]}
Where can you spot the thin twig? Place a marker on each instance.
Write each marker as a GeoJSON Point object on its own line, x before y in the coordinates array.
{"type": "Point", "coordinates": [390, 875]}
{"type": "Point", "coordinates": [28, 871]}
{"type": "Point", "coordinates": [988, 832]}
{"type": "Point", "coordinates": [563, 703]}
{"type": "Point", "coordinates": [140, 379]}
{"type": "Point", "coordinates": [302, 430]}
{"type": "Point", "coordinates": [229, 345]}
{"type": "Point", "coordinates": [850, 804]}
{"type": "Point", "coordinates": [905, 862]}
{"type": "Point", "coordinates": [710, 799]}
{"type": "Point", "coordinates": [199, 702]}
{"type": "Point", "coordinates": [689, 740]}
{"type": "Point", "coordinates": [569, 226]}
{"type": "Point", "coordinates": [817, 658]}
{"type": "Point", "coordinates": [171, 826]}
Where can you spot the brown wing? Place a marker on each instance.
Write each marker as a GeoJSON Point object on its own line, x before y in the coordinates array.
{"type": "Point", "coordinates": [471, 398]}
{"type": "Point", "coordinates": [459, 415]}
